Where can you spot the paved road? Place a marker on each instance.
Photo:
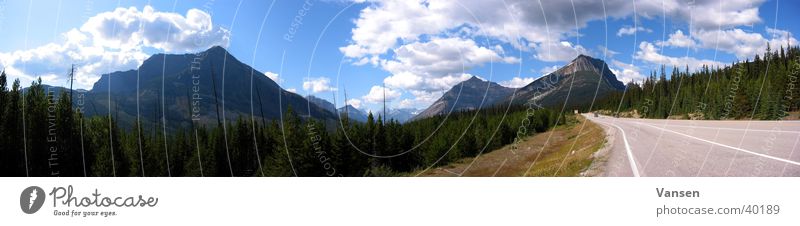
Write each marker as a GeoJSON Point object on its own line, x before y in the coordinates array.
{"type": "Point", "coordinates": [648, 147]}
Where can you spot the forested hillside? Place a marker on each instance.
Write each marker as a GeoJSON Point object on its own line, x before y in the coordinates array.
{"type": "Point", "coordinates": [762, 88]}
{"type": "Point", "coordinates": [42, 134]}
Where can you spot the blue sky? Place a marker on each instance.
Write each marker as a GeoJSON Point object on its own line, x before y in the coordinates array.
{"type": "Point", "coordinates": [417, 49]}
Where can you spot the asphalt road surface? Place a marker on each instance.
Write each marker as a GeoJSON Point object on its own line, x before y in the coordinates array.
{"type": "Point", "coordinates": [649, 147]}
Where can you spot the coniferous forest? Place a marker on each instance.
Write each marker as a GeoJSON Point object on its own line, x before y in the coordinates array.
{"type": "Point", "coordinates": [43, 134]}
{"type": "Point", "coordinates": [763, 88]}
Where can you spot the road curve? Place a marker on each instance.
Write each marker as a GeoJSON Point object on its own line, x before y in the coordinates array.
{"type": "Point", "coordinates": [650, 147]}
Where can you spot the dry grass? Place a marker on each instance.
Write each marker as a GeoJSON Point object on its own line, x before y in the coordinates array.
{"type": "Point", "coordinates": [568, 152]}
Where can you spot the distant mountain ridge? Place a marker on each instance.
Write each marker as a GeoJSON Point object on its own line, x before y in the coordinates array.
{"type": "Point", "coordinates": [572, 85]}
{"type": "Point", "coordinates": [322, 103]}
{"type": "Point", "coordinates": [192, 86]}
{"type": "Point", "coordinates": [242, 91]}
{"type": "Point", "coordinates": [473, 93]}
{"type": "Point", "coordinates": [353, 113]}
{"type": "Point", "coordinates": [401, 114]}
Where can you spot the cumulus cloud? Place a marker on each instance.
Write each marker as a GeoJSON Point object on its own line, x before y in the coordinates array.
{"type": "Point", "coordinates": [426, 98]}
{"type": "Point", "coordinates": [385, 23]}
{"type": "Point", "coordinates": [318, 84]}
{"type": "Point", "coordinates": [629, 30]}
{"type": "Point", "coordinates": [400, 36]}
{"type": "Point", "coordinates": [113, 41]}
{"type": "Point", "coordinates": [274, 76]}
{"type": "Point", "coordinates": [704, 14]}
{"type": "Point", "coordinates": [406, 103]}
{"type": "Point", "coordinates": [356, 103]}
{"type": "Point", "coordinates": [548, 70]}
{"type": "Point", "coordinates": [678, 39]}
{"type": "Point", "coordinates": [376, 95]}
{"type": "Point", "coordinates": [427, 46]}
{"type": "Point", "coordinates": [607, 52]}
{"type": "Point", "coordinates": [626, 72]}
{"type": "Point", "coordinates": [517, 82]}
{"type": "Point", "coordinates": [437, 64]}
{"type": "Point", "coordinates": [716, 14]}
{"type": "Point", "coordinates": [53, 61]}
{"type": "Point", "coordinates": [559, 52]}
{"type": "Point", "coordinates": [741, 43]}
{"type": "Point", "coordinates": [171, 32]}
{"type": "Point", "coordinates": [650, 53]}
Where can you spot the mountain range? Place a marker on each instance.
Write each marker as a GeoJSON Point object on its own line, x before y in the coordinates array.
{"type": "Point", "coordinates": [213, 85]}
{"type": "Point", "coordinates": [474, 93]}
{"type": "Point", "coordinates": [204, 87]}
{"type": "Point", "coordinates": [572, 85]}
{"type": "Point", "coordinates": [399, 114]}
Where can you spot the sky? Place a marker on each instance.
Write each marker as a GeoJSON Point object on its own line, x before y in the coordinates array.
{"type": "Point", "coordinates": [414, 49]}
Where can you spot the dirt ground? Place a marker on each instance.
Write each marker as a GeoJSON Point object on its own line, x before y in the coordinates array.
{"type": "Point", "coordinates": [564, 151]}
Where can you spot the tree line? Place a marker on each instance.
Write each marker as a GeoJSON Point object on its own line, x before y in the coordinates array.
{"type": "Point", "coordinates": [765, 88]}
{"type": "Point", "coordinates": [53, 138]}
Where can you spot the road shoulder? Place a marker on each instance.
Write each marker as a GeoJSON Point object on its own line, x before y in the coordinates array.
{"type": "Point", "coordinates": [567, 150]}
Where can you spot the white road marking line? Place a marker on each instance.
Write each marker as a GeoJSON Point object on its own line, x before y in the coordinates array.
{"type": "Point", "coordinates": [627, 149]}
{"type": "Point", "coordinates": [722, 128]}
{"type": "Point", "coordinates": [728, 146]}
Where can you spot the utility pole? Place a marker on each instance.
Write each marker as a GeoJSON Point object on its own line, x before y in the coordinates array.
{"type": "Point", "coordinates": [346, 114]}
{"type": "Point", "coordinates": [216, 101]}
{"type": "Point", "coordinates": [260, 105]}
{"type": "Point", "coordinates": [71, 80]}
{"type": "Point", "coordinates": [71, 106]}
{"type": "Point", "coordinates": [384, 104]}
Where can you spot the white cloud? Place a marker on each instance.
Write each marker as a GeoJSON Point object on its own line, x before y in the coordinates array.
{"type": "Point", "coordinates": [437, 64]}
{"type": "Point", "coordinates": [559, 52]}
{"type": "Point", "coordinates": [55, 59]}
{"type": "Point", "coordinates": [404, 80]}
{"type": "Point", "coordinates": [517, 82]}
{"type": "Point", "coordinates": [316, 85]}
{"type": "Point", "coordinates": [678, 39]}
{"type": "Point", "coordinates": [741, 43]}
{"type": "Point", "coordinates": [293, 90]}
{"type": "Point", "coordinates": [780, 38]}
{"type": "Point", "coordinates": [423, 99]}
{"type": "Point", "coordinates": [379, 28]}
{"type": "Point", "coordinates": [356, 103]}
{"type": "Point", "coordinates": [392, 34]}
{"type": "Point", "coordinates": [376, 95]}
{"type": "Point", "coordinates": [607, 52]}
{"type": "Point", "coordinates": [171, 32]}
{"type": "Point", "coordinates": [406, 103]}
{"type": "Point", "coordinates": [626, 72]}
{"type": "Point", "coordinates": [548, 70]}
{"type": "Point", "coordinates": [446, 82]}
{"type": "Point", "coordinates": [704, 14]}
{"type": "Point", "coordinates": [650, 53]}
{"type": "Point", "coordinates": [113, 41]}
{"type": "Point", "coordinates": [385, 23]}
{"type": "Point", "coordinates": [629, 30]}
{"type": "Point", "coordinates": [716, 14]}
{"type": "Point", "coordinates": [401, 36]}
{"type": "Point", "coordinates": [273, 76]}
